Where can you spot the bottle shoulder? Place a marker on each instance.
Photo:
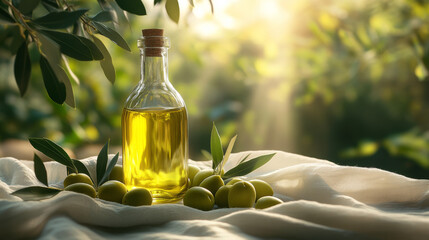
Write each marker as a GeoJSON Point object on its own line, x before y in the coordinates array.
{"type": "Point", "coordinates": [154, 96]}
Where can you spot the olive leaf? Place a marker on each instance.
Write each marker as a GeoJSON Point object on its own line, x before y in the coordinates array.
{"type": "Point", "coordinates": [69, 70]}
{"type": "Point", "coordinates": [59, 20]}
{"type": "Point", "coordinates": [173, 10]}
{"type": "Point", "coordinates": [216, 147]}
{"type": "Point", "coordinates": [156, 2]}
{"type": "Point", "coordinates": [248, 166]}
{"type": "Point", "coordinates": [26, 6]}
{"type": "Point", "coordinates": [109, 169]}
{"type": "Point", "coordinates": [52, 150]}
{"type": "Point", "coordinates": [102, 159]}
{"type": "Point", "coordinates": [112, 35]}
{"type": "Point", "coordinates": [81, 168]}
{"type": "Point", "coordinates": [103, 16]}
{"type": "Point", "coordinates": [22, 68]}
{"type": "Point", "coordinates": [40, 170]}
{"type": "Point", "coordinates": [93, 48]}
{"type": "Point", "coordinates": [56, 89]}
{"type": "Point", "coordinates": [132, 6]}
{"type": "Point", "coordinates": [70, 45]}
{"type": "Point", "coordinates": [51, 51]}
{"type": "Point", "coordinates": [36, 193]}
{"type": "Point", "coordinates": [226, 157]}
{"type": "Point", "coordinates": [50, 5]}
{"type": "Point", "coordinates": [106, 64]}
{"type": "Point", "coordinates": [244, 159]}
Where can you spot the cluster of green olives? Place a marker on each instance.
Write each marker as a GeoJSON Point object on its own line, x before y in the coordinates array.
{"type": "Point", "coordinates": [208, 189]}
{"type": "Point", "coordinates": [113, 190]}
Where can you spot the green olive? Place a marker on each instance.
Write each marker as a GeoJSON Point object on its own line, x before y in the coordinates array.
{"type": "Point", "coordinates": [242, 194]}
{"type": "Point", "coordinates": [201, 175]}
{"type": "Point", "coordinates": [112, 190]}
{"type": "Point", "coordinates": [221, 197]}
{"type": "Point", "coordinates": [117, 173]}
{"type": "Point", "coordinates": [137, 197]}
{"type": "Point", "coordinates": [234, 180]}
{"type": "Point", "coordinates": [77, 178]}
{"type": "Point", "coordinates": [199, 198]}
{"type": "Point", "coordinates": [212, 183]}
{"type": "Point", "coordinates": [192, 171]}
{"type": "Point", "coordinates": [266, 202]}
{"type": "Point", "coordinates": [262, 188]}
{"type": "Point", "coordinates": [83, 188]}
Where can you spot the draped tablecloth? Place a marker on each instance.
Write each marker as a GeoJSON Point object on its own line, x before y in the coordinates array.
{"type": "Point", "coordinates": [322, 200]}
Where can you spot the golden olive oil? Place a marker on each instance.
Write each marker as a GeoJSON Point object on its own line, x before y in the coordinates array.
{"type": "Point", "coordinates": [155, 151]}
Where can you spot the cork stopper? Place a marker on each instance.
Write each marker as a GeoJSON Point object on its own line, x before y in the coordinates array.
{"type": "Point", "coordinates": [153, 42]}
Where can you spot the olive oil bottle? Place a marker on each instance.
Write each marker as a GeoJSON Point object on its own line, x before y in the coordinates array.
{"type": "Point", "coordinates": [155, 127]}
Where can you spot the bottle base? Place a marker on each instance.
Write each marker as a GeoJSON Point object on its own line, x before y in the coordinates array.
{"type": "Point", "coordinates": [160, 197]}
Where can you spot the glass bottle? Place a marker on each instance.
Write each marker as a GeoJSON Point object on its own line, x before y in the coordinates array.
{"type": "Point", "coordinates": [155, 127]}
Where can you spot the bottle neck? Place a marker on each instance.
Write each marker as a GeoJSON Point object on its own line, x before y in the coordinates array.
{"type": "Point", "coordinates": [154, 69]}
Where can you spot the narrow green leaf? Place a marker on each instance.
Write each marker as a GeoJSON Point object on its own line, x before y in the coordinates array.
{"type": "Point", "coordinates": [156, 2]}
{"type": "Point", "coordinates": [103, 16]}
{"type": "Point", "coordinates": [62, 76]}
{"type": "Point", "coordinates": [248, 167]}
{"type": "Point", "coordinates": [81, 168]}
{"type": "Point", "coordinates": [5, 16]}
{"type": "Point", "coordinates": [106, 64]}
{"type": "Point", "coordinates": [51, 51]}
{"type": "Point", "coordinates": [76, 29]}
{"type": "Point", "coordinates": [102, 159]}
{"type": "Point", "coordinates": [36, 193]}
{"type": "Point", "coordinates": [95, 51]}
{"type": "Point", "coordinates": [56, 89]}
{"type": "Point", "coordinates": [109, 169]}
{"type": "Point", "coordinates": [173, 10]}
{"type": "Point", "coordinates": [244, 159]}
{"type": "Point", "coordinates": [216, 147]}
{"type": "Point", "coordinates": [132, 6]}
{"type": "Point", "coordinates": [59, 20]}
{"type": "Point", "coordinates": [227, 153]}
{"type": "Point", "coordinates": [120, 16]}
{"type": "Point", "coordinates": [112, 35]}
{"type": "Point", "coordinates": [22, 68]}
{"type": "Point", "coordinates": [51, 5]}
{"type": "Point", "coordinates": [40, 170]}
{"type": "Point", "coordinates": [51, 150]}
{"type": "Point", "coordinates": [70, 45]}
{"type": "Point", "coordinates": [26, 6]}
{"type": "Point", "coordinates": [69, 70]}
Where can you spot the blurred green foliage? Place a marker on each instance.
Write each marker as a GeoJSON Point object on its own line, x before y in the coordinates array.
{"type": "Point", "coordinates": [342, 80]}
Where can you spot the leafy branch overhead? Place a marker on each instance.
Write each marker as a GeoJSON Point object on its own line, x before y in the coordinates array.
{"type": "Point", "coordinates": [59, 28]}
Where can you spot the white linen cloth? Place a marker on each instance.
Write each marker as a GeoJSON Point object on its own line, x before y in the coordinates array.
{"type": "Point", "coordinates": [322, 201]}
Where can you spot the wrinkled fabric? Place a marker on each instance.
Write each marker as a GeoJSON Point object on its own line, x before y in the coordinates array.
{"type": "Point", "coordinates": [322, 200]}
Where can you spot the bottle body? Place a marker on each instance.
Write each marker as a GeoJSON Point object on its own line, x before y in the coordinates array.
{"type": "Point", "coordinates": [154, 149]}
{"type": "Point", "coordinates": [155, 134]}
